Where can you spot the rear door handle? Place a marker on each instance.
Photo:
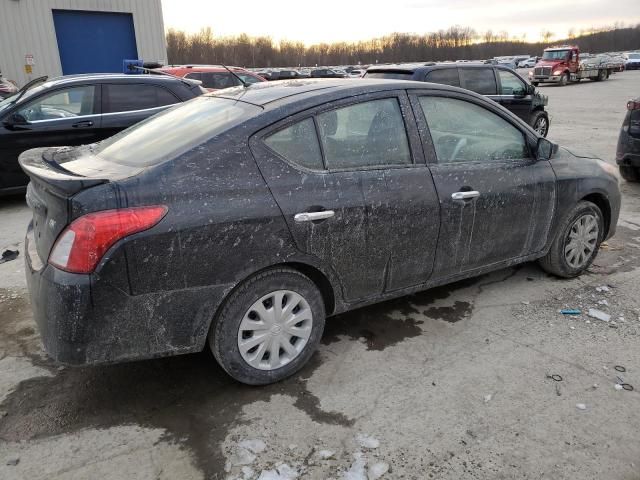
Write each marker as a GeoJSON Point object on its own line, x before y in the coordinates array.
{"type": "Point", "coordinates": [465, 195]}
{"type": "Point", "coordinates": [312, 216]}
{"type": "Point", "coordinates": [83, 124]}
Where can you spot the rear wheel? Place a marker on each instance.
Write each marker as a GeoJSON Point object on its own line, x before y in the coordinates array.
{"type": "Point", "coordinates": [540, 123]}
{"type": "Point", "coordinates": [576, 243]}
{"type": "Point", "coordinates": [630, 174]}
{"type": "Point", "coordinates": [269, 327]}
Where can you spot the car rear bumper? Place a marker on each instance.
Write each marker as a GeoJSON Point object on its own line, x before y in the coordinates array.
{"type": "Point", "coordinates": [84, 320]}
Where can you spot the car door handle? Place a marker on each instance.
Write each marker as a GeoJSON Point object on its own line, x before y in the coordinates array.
{"type": "Point", "coordinates": [465, 195]}
{"type": "Point", "coordinates": [313, 216]}
{"type": "Point", "coordinates": [83, 124]}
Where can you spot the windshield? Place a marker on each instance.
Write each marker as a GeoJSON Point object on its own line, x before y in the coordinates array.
{"type": "Point", "coordinates": [174, 131]}
{"type": "Point", "coordinates": [555, 54]}
{"type": "Point", "coordinates": [7, 102]}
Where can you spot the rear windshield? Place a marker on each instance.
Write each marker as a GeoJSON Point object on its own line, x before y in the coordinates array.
{"type": "Point", "coordinates": [174, 131]}
{"type": "Point", "coordinates": [390, 75]}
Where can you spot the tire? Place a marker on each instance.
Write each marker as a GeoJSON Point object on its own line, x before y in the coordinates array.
{"type": "Point", "coordinates": [602, 75]}
{"type": "Point", "coordinates": [229, 328]}
{"type": "Point", "coordinates": [540, 123]}
{"type": "Point", "coordinates": [556, 262]}
{"type": "Point", "coordinates": [630, 174]}
{"type": "Point", "coordinates": [564, 80]}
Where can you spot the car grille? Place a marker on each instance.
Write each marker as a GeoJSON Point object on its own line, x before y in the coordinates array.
{"type": "Point", "coordinates": [542, 71]}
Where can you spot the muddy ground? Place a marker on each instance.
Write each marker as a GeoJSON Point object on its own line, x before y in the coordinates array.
{"type": "Point", "coordinates": [447, 384]}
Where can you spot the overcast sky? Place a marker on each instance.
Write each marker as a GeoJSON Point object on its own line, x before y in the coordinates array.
{"type": "Point", "coordinates": [333, 20]}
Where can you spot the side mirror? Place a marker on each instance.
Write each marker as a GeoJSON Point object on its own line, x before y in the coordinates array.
{"type": "Point", "coordinates": [15, 119]}
{"type": "Point", "coordinates": [545, 149]}
{"type": "Point", "coordinates": [531, 89]}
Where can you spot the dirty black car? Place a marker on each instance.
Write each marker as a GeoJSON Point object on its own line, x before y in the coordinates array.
{"type": "Point", "coordinates": [499, 83]}
{"type": "Point", "coordinates": [628, 151]}
{"type": "Point", "coordinates": [77, 110]}
{"type": "Point", "coordinates": [243, 218]}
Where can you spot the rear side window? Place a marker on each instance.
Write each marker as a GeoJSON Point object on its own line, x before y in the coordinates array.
{"type": "Point", "coordinates": [126, 98]}
{"type": "Point", "coordinates": [390, 75]}
{"type": "Point", "coordinates": [445, 76]}
{"type": "Point", "coordinates": [218, 81]}
{"type": "Point", "coordinates": [479, 80]}
{"type": "Point", "coordinates": [510, 84]}
{"type": "Point", "coordinates": [174, 131]}
{"type": "Point", "coordinates": [298, 143]}
{"type": "Point", "coordinates": [363, 135]}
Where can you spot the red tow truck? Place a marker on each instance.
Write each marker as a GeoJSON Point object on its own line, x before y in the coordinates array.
{"type": "Point", "coordinates": [562, 64]}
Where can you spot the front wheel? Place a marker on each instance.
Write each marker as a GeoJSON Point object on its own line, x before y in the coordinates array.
{"type": "Point", "coordinates": [564, 80]}
{"type": "Point", "coordinates": [540, 123]}
{"type": "Point", "coordinates": [577, 242]}
{"type": "Point", "coordinates": [630, 174]}
{"type": "Point", "coordinates": [269, 327]}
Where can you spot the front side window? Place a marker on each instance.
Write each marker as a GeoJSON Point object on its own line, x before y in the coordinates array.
{"type": "Point", "coordinates": [479, 80]}
{"type": "Point", "coordinates": [68, 103]}
{"type": "Point", "coordinates": [465, 132]}
{"type": "Point", "coordinates": [129, 97]}
{"type": "Point", "coordinates": [364, 135]}
{"type": "Point", "coordinates": [298, 143]}
{"type": "Point", "coordinates": [445, 76]}
{"type": "Point", "coordinates": [510, 84]}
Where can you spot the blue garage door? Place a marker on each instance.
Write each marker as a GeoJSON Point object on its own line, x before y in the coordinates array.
{"type": "Point", "coordinates": [91, 42]}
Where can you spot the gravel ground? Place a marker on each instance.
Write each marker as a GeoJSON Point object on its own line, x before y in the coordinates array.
{"type": "Point", "coordinates": [450, 383]}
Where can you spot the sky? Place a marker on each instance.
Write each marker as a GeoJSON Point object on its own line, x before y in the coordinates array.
{"type": "Point", "coordinates": [350, 20]}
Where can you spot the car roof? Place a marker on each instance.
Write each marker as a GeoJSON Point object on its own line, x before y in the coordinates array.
{"type": "Point", "coordinates": [421, 67]}
{"type": "Point", "coordinates": [111, 77]}
{"type": "Point", "coordinates": [290, 91]}
{"type": "Point", "coordinates": [199, 68]}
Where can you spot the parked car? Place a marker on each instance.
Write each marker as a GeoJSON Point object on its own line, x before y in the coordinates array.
{"type": "Point", "coordinates": [6, 88]}
{"type": "Point", "coordinates": [528, 63]}
{"type": "Point", "coordinates": [356, 73]}
{"type": "Point", "coordinates": [326, 73]}
{"type": "Point", "coordinates": [243, 218]}
{"type": "Point", "coordinates": [499, 83]}
{"type": "Point", "coordinates": [79, 109]}
{"type": "Point", "coordinates": [632, 61]}
{"type": "Point", "coordinates": [628, 151]}
{"type": "Point", "coordinates": [213, 77]}
{"type": "Point", "coordinates": [287, 74]}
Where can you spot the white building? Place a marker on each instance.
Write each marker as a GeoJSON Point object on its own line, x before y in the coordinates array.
{"type": "Point", "coordinates": [62, 37]}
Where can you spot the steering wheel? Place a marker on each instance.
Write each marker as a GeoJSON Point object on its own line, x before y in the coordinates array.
{"type": "Point", "coordinates": [462, 142]}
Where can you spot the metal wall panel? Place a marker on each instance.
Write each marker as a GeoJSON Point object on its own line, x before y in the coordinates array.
{"type": "Point", "coordinates": [26, 27]}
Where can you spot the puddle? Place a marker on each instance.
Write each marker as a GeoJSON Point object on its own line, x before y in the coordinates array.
{"type": "Point", "coordinates": [451, 314]}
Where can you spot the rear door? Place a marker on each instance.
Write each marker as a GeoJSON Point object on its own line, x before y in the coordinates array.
{"type": "Point", "coordinates": [514, 94]}
{"type": "Point", "coordinates": [125, 104]}
{"type": "Point", "coordinates": [354, 192]}
{"type": "Point", "coordinates": [496, 200]}
{"type": "Point", "coordinates": [65, 116]}
{"type": "Point", "coordinates": [481, 80]}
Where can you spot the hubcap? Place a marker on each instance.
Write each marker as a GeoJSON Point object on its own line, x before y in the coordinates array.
{"type": "Point", "coordinates": [541, 126]}
{"type": "Point", "coordinates": [275, 329]}
{"type": "Point", "coordinates": [581, 241]}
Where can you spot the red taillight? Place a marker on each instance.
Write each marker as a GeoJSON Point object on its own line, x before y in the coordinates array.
{"type": "Point", "coordinates": [83, 243]}
{"type": "Point", "coordinates": [633, 105]}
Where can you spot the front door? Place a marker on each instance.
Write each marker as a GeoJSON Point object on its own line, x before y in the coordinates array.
{"type": "Point", "coordinates": [354, 192]}
{"type": "Point", "coordinates": [514, 94]}
{"type": "Point", "coordinates": [68, 116]}
{"type": "Point", "coordinates": [497, 201]}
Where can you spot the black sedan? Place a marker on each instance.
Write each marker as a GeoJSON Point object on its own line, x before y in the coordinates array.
{"type": "Point", "coordinates": [628, 151]}
{"type": "Point", "coordinates": [243, 218]}
{"type": "Point", "coordinates": [77, 110]}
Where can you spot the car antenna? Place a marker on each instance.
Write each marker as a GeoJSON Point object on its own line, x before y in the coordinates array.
{"type": "Point", "coordinates": [244, 84]}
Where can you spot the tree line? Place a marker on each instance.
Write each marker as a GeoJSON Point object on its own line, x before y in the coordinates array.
{"type": "Point", "coordinates": [455, 43]}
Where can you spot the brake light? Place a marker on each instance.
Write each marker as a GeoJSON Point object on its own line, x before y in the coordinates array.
{"type": "Point", "coordinates": [633, 105]}
{"type": "Point", "coordinates": [83, 243]}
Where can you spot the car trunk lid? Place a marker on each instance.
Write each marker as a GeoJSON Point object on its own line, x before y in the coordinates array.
{"type": "Point", "coordinates": [57, 175]}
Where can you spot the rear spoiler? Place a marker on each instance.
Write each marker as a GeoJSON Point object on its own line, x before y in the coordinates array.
{"type": "Point", "coordinates": [60, 181]}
